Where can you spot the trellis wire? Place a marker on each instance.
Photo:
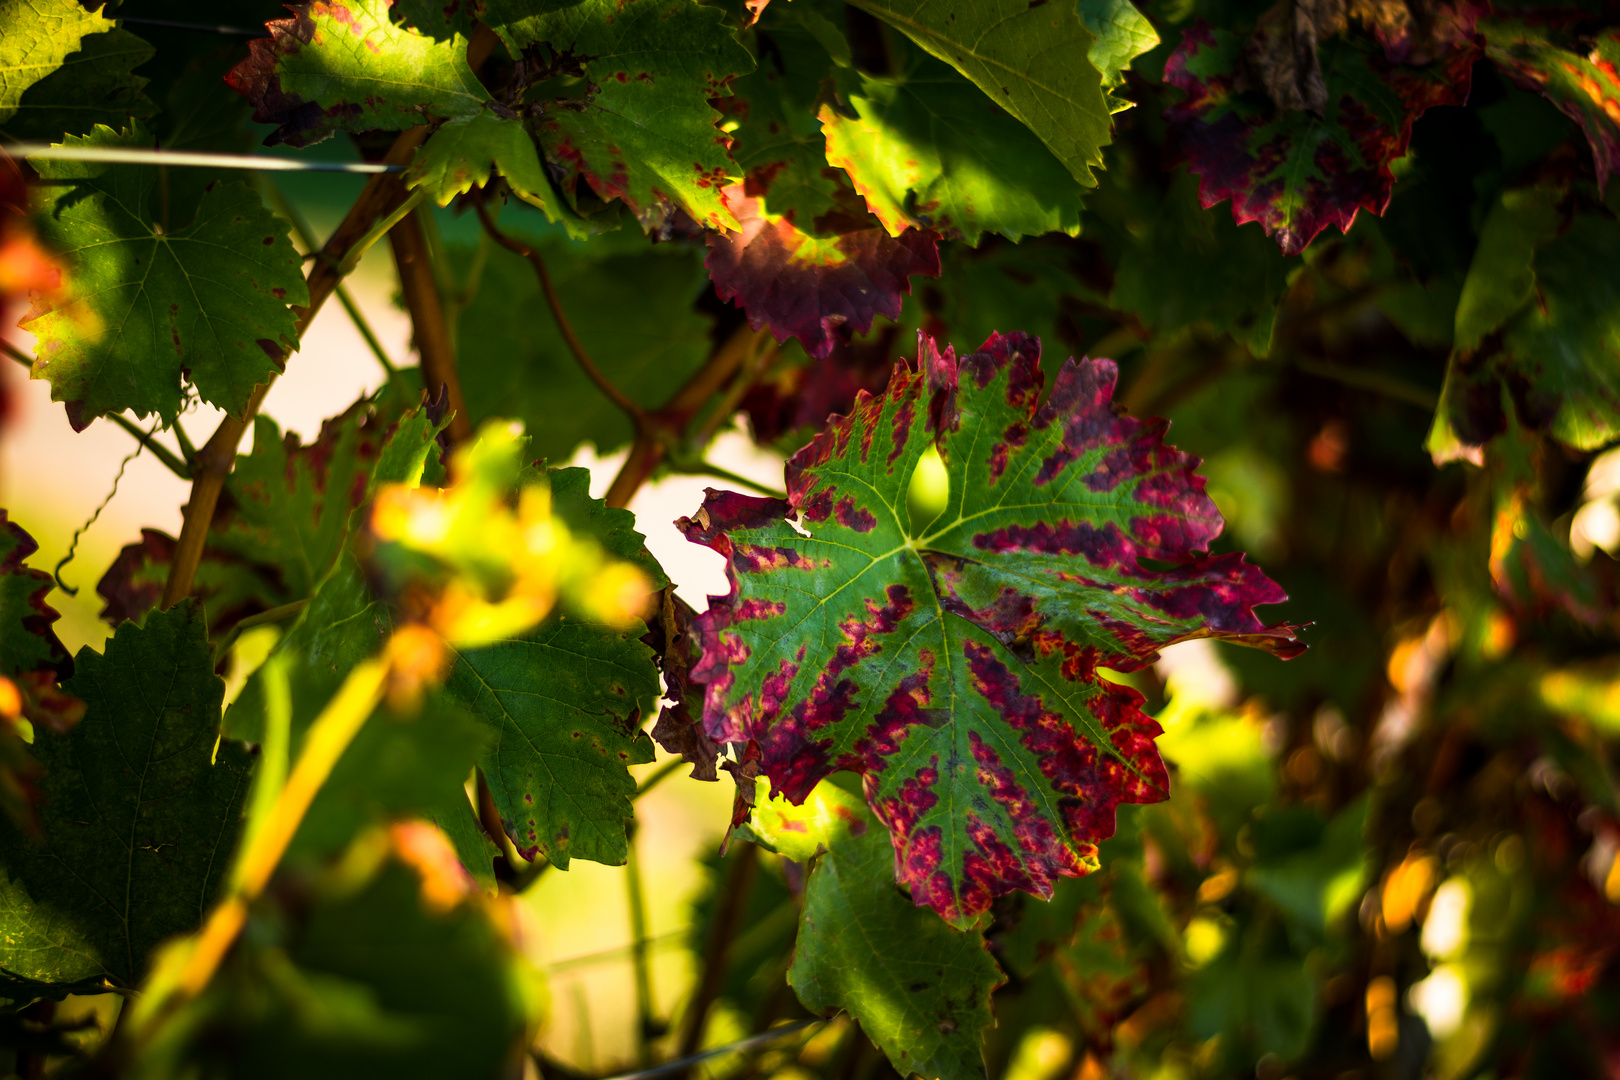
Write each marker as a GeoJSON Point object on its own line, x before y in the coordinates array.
{"type": "Point", "coordinates": [681, 1064]}
{"type": "Point", "coordinates": [120, 155]}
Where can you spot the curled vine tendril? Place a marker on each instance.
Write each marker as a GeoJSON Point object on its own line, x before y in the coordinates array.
{"type": "Point", "coordinates": [73, 545]}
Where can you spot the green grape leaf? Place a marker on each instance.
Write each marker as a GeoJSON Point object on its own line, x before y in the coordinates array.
{"type": "Point", "coordinates": [95, 85]}
{"type": "Point", "coordinates": [463, 153]}
{"type": "Point", "coordinates": [1026, 57]}
{"type": "Point", "coordinates": [953, 663]}
{"type": "Point", "coordinates": [1555, 351]}
{"type": "Point", "coordinates": [1585, 88]}
{"type": "Point", "coordinates": [927, 149]}
{"type": "Point", "coordinates": [140, 814]}
{"type": "Point", "coordinates": [1187, 266]}
{"type": "Point", "coordinates": [143, 306]}
{"type": "Point", "coordinates": [27, 641]}
{"type": "Point", "coordinates": [36, 40]}
{"type": "Point", "coordinates": [1123, 33]}
{"type": "Point", "coordinates": [920, 989]}
{"type": "Point", "coordinates": [519, 366]}
{"type": "Point", "coordinates": [1318, 886]}
{"type": "Point", "coordinates": [345, 65]}
{"type": "Point", "coordinates": [564, 705]}
{"type": "Point", "coordinates": [645, 130]}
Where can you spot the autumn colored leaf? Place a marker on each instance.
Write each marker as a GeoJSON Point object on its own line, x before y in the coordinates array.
{"type": "Point", "coordinates": [919, 989]}
{"type": "Point", "coordinates": [140, 813]}
{"type": "Point", "coordinates": [346, 65]}
{"type": "Point", "coordinates": [1026, 58]}
{"type": "Point", "coordinates": [144, 304]}
{"type": "Point", "coordinates": [809, 261]}
{"type": "Point", "coordinates": [954, 663]}
{"type": "Point", "coordinates": [1585, 87]}
{"type": "Point", "coordinates": [27, 640]}
{"type": "Point", "coordinates": [927, 149]}
{"type": "Point", "coordinates": [642, 129]}
{"type": "Point", "coordinates": [1313, 145]}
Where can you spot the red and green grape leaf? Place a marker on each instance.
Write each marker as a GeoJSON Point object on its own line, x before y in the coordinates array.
{"type": "Point", "coordinates": [346, 65]}
{"type": "Point", "coordinates": [645, 130]}
{"type": "Point", "coordinates": [1026, 58]}
{"type": "Point", "coordinates": [27, 641]}
{"type": "Point", "coordinates": [143, 306]}
{"type": "Point", "coordinates": [1586, 88]}
{"type": "Point", "coordinates": [954, 663]}
{"type": "Point", "coordinates": [140, 813]}
{"type": "Point", "coordinates": [919, 988]}
{"type": "Point", "coordinates": [1290, 168]}
{"type": "Point", "coordinates": [927, 149]}
{"type": "Point", "coordinates": [810, 261]}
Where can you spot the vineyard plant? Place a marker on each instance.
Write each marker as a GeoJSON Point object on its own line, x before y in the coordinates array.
{"type": "Point", "coordinates": [1181, 643]}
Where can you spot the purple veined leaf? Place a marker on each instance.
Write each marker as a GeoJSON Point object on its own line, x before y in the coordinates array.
{"type": "Point", "coordinates": [1319, 148]}
{"type": "Point", "coordinates": [955, 663]}
{"type": "Point", "coordinates": [818, 284]}
{"type": "Point", "coordinates": [1586, 88]}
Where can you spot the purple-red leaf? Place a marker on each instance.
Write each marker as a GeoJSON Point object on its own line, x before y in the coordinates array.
{"type": "Point", "coordinates": [1586, 87]}
{"type": "Point", "coordinates": [954, 663]}
{"type": "Point", "coordinates": [1298, 124]}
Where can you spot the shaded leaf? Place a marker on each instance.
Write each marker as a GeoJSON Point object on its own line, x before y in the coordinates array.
{"type": "Point", "coordinates": [1295, 170]}
{"type": "Point", "coordinates": [94, 85]}
{"type": "Point", "coordinates": [37, 39]}
{"type": "Point", "coordinates": [140, 813]}
{"type": "Point", "coordinates": [518, 365]}
{"type": "Point", "coordinates": [920, 989]}
{"type": "Point", "coordinates": [1585, 87]}
{"type": "Point", "coordinates": [143, 306]}
{"type": "Point", "coordinates": [1026, 58]}
{"type": "Point", "coordinates": [345, 65]}
{"type": "Point", "coordinates": [645, 131]}
{"type": "Point", "coordinates": [927, 149]}
{"type": "Point", "coordinates": [954, 663]}
{"type": "Point", "coordinates": [678, 731]}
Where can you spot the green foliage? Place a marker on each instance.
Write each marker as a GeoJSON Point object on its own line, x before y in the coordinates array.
{"type": "Point", "coordinates": [140, 813]}
{"type": "Point", "coordinates": [64, 69]}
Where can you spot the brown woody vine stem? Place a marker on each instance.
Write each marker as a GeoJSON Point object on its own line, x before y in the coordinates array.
{"type": "Point", "coordinates": [422, 299]}
{"type": "Point", "coordinates": [733, 903]}
{"type": "Point", "coordinates": [637, 415]}
{"type": "Point", "coordinates": [214, 460]}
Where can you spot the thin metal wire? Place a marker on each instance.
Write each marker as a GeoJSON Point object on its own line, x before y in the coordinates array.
{"type": "Point", "coordinates": [681, 1064]}
{"type": "Point", "coordinates": [120, 155]}
{"type": "Point", "coordinates": [171, 24]}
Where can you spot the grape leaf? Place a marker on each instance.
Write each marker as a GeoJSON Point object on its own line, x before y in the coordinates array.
{"type": "Point", "coordinates": [140, 814]}
{"type": "Point", "coordinates": [1123, 33]}
{"type": "Point", "coordinates": [1296, 170]}
{"type": "Point", "coordinates": [36, 40]}
{"type": "Point", "coordinates": [461, 155]}
{"type": "Point", "coordinates": [810, 261]}
{"type": "Point", "coordinates": [1535, 319]}
{"type": "Point", "coordinates": [1586, 88]}
{"type": "Point", "coordinates": [519, 366]}
{"type": "Point", "coordinates": [94, 85]}
{"type": "Point", "coordinates": [345, 65]}
{"type": "Point", "coordinates": [920, 990]}
{"type": "Point", "coordinates": [27, 641]}
{"type": "Point", "coordinates": [1026, 58]}
{"type": "Point", "coordinates": [564, 705]}
{"type": "Point", "coordinates": [954, 663]}
{"type": "Point", "coordinates": [927, 149]}
{"type": "Point", "coordinates": [143, 306]}
{"type": "Point", "coordinates": [645, 130]}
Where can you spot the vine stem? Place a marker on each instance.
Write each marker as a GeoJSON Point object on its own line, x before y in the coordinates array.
{"type": "Point", "coordinates": [637, 415]}
{"type": "Point", "coordinates": [425, 303]}
{"type": "Point", "coordinates": [649, 448]}
{"type": "Point", "coordinates": [213, 462]}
